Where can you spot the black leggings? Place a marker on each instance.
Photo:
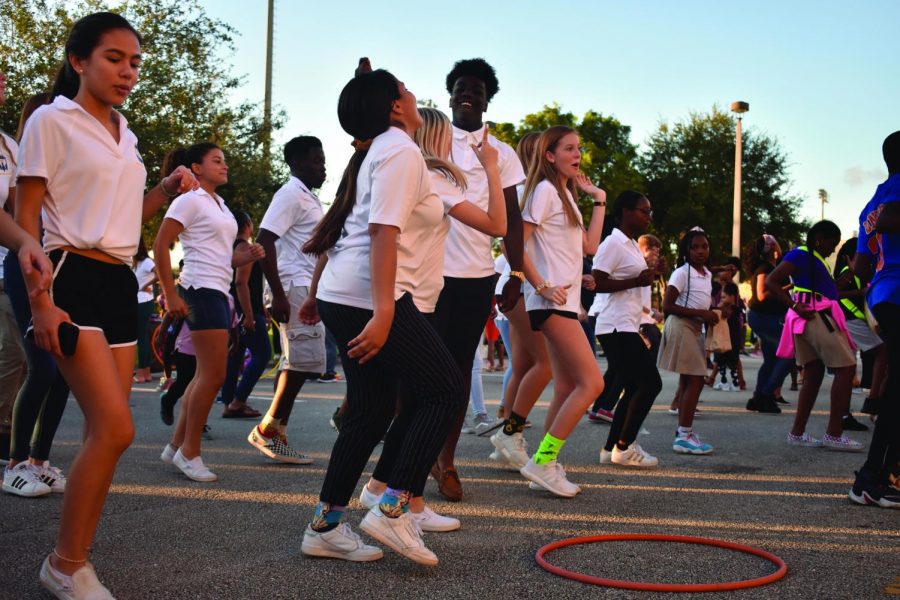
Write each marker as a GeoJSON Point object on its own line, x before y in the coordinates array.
{"type": "Point", "coordinates": [633, 362]}
{"type": "Point", "coordinates": [884, 451]}
{"type": "Point", "coordinates": [412, 357]}
{"type": "Point", "coordinates": [186, 367]}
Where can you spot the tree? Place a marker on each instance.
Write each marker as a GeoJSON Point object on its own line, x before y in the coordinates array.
{"type": "Point", "coordinates": [608, 156]}
{"type": "Point", "coordinates": [689, 167]}
{"type": "Point", "coordinates": [180, 99]}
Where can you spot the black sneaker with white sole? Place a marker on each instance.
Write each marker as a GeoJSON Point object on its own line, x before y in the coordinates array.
{"type": "Point", "coordinates": [868, 491]}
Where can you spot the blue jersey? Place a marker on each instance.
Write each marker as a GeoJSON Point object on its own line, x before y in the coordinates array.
{"type": "Point", "coordinates": [882, 249]}
{"type": "Point", "coordinates": [811, 272]}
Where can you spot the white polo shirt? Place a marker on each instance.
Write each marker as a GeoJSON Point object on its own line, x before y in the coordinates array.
{"type": "Point", "coordinates": [8, 151]}
{"type": "Point", "coordinates": [432, 276]}
{"type": "Point", "coordinates": [619, 257]}
{"type": "Point", "coordinates": [468, 253]}
{"type": "Point", "coordinates": [95, 186]}
{"type": "Point", "coordinates": [694, 288]}
{"type": "Point", "coordinates": [207, 239]}
{"type": "Point", "coordinates": [555, 247]}
{"type": "Point", "coordinates": [293, 215]}
{"type": "Point", "coordinates": [144, 273]}
{"type": "Point", "coordinates": [501, 268]}
{"type": "Point", "coordinates": [393, 188]}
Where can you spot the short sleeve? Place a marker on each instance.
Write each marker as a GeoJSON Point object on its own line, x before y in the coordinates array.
{"type": "Point", "coordinates": [539, 205]}
{"type": "Point", "coordinates": [11, 150]}
{"type": "Point", "coordinates": [607, 257]}
{"type": "Point", "coordinates": [796, 257]}
{"type": "Point", "coordinates": [678, 280]}
{"type": "Point", "coordinates": [42, 145]}
{"type": "Point", "coordinates": [395, 187]}
{"type": "Point", "coordinates": [511, 172]}
{"type": "Point", "coordinates": [282, 214]}
{"type": "Point", "coordinates": [449, 192]}
{"type": "Point", "coordinates": [183, 209]}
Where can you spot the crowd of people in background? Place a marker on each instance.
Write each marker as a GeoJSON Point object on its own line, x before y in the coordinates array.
{"type": "Point", "coordinates": [401, 273]}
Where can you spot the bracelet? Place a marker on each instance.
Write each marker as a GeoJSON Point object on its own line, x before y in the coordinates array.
{"type": "Point", "coordinates": [164, 191]}
{"type": "Point", "coordinates": [70, 560]}
{"type": "Point", "coordinates": [543, 286]}
{"type": "Point", "coordinates": [518, 275]}
{"type": "Point", "coordinates": [603, 203]}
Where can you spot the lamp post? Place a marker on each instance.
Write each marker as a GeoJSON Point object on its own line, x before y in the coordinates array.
{"type": "Point", "coordinates": [823, 198]}
{"type": "Point", "coordinates": [740, 108]}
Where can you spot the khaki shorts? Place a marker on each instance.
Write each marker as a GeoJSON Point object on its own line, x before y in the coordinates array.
{"type": "Point", "coordinates": [302, 346]}
{"type": "Point", "coordinates": [818, 343]}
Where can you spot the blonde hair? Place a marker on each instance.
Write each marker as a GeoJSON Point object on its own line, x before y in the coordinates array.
{"type": "Point", "coordinates": [433, 137]}
{"type": "Point", "coordinates": [542, 169]}
{"type": "Point", "coordinates": [525, 149]}
{"type": "Point", "coordinates": [650, 241]}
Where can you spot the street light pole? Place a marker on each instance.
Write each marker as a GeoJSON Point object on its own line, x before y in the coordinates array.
{"type": "Point", "coordinates": [739, 108]}
{"type": "Point", "coordinates": [823, 198]}
{"type": "Point", "coordinates": [267, 101]}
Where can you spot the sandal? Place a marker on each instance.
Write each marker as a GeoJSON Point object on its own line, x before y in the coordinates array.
{"type": "Point", "coordinates": [244, 412]}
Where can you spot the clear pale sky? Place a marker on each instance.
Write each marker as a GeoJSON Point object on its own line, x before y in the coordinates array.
{"type": "Point", "coordinates": [820, 76]}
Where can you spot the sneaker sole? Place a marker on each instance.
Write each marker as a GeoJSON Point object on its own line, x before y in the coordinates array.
{"type": "Point", "coordinates": [373, 532]}
{"type": "Point", "coordinates": [634, 466]}
{"type": "Point", "coordinates": [491, 429]}
{"type": "Point", "coordinates": [440, 528]}
{"type": "Point", "coordinates": [697, 452]}
{"type": "Point", "coordinates": [315, 552]}
{"type": "Point", "coordinates": [866, 500]}
{"type": "Point", "coordinates": [843, 448]}
{"type": "Point", "coordinates": [531, 477]}
{"type": "Point", "coordinates": [16, 492]}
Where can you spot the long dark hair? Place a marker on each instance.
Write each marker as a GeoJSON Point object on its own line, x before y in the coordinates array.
{"type": "Point", "coordinates": [185, 157]}
{"type": "Point", "coordinates": [844, 256]}
{"type": "Point", "coordinates": [364, 111]}
{"type": "Point", "coordinates": [83, 38]}
{"type": "Point", "coordinates": [684, 246]}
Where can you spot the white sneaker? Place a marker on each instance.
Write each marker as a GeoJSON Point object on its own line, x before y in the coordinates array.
{"type": "Point", "coordinates": [401, 533]}
{"type": "Point", "coordinates": [429, 520]}
{"type": "Point", "coordinates": [485, 424]}
{"type": "Point", "coordinates": [193, 468]}
{"type": "Point", "coordinates": [842, 443]}
{"type": "Point", "coordinates": [719, 386]}
{"type": "Point", "coordinates": [633, 456]}
{"type": "Point", "coordinates": [24, 480]}
{"type": "Point", "coordinates": [605, 456]}
{"type": "Point", "coordinates": [168, 454]}
{"type": "Point", "coordinates": [550, 477]}
{"type": "Point", "coordinates": [341, 542]}
{"type": "Point", "coordinates": [80, 585]}
{"type": "Point", "coordinates": [803, 440]}
{"type": "Point", "coordinates": [511, 447]}
{"type": "Point", "coordinates": [53, 477]}
{"type": "Point", "coordinates": [368, 499]}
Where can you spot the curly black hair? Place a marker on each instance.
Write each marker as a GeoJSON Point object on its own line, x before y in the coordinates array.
{"type": "Point", "coordinates": [478, 68]}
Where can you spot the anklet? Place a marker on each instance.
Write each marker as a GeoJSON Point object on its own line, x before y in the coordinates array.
{"type": "Point", "coordinates": [69, 560]}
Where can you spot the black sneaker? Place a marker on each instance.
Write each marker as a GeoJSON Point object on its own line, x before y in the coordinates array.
{"type": "Point", "coordinates": [335, 420]}
{"type": "Point", "coordinates": [767, 405]}
{"type": "Point", "coordinates": [205, 434]}
{"type": "Point", "coordinates": [752, 403]}
{"type": "Point", "coordinates": [330, 377]}
{"type": "Point", "coordinates": [870, 492]}
{"type": "Point", "coordinates": [851, 424]}
{"type": "Point", "coordinates": [166, 408]}
{"type": "Point", "coordinates": [781, 400]}
{"type": "Point", "coordinates": [870, 406]}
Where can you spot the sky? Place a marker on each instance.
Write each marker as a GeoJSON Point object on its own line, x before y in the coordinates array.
{"type": "Point", "coordinates": [820, 76]}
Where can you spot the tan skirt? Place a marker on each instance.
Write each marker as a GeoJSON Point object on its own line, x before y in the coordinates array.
{"type": "Point", "coordinates": [681, 348]}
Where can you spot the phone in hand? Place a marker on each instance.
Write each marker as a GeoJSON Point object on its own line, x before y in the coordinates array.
{"type": "Point", "coordinates": [67, 334]}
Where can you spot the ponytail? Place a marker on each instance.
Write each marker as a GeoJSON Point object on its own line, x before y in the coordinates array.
{"type": "Point", "coordinates": [185, 157]}
{"type": "Point", "coordinates": [328, 231]}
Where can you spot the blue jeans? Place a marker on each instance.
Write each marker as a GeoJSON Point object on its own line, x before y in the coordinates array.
{"type": "Point", "coordinates": [773, 370]}
{"type": "Point", "coordinates": [257, 341]}
{"type": "Point", "coordinates": [503, 326]}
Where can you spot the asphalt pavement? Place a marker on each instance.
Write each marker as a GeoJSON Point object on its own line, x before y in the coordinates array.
{"type": "Point", "coordinates": [163, 536]}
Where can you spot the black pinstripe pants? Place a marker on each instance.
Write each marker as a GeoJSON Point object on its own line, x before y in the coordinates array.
{"type": "Point", "coordinates": [413, 356]}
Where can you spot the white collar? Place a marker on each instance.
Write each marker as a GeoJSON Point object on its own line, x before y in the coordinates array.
{"type": "Point", "coordinates": [463, 135]}
{"type": "Point", "coordinates": [299, 182]}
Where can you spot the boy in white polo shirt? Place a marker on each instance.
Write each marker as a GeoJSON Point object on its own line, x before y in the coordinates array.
{"type": "Point", "coordinates": [291, 218]}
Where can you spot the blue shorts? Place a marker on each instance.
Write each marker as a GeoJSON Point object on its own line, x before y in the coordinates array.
{"type": "Point", "coordinates": [207, 308]}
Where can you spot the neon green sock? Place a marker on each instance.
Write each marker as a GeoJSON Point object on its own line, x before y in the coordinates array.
{"type": "Point", "coordinates": [548, 450]}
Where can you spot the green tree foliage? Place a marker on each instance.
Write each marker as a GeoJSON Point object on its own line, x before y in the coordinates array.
{"type": "Point", "coordinates": [689, 168]}
{"type": "Point", "coordinates": [182, 96]}
{"type": "Point", "coordinates": [608, 156]}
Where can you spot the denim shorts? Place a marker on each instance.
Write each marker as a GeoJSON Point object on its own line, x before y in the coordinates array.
{"type": "Point", "coordinates": [207, 308]}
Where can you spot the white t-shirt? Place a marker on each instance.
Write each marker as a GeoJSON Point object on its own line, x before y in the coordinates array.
{"type": "Point", "coordinates": [207, 239]}
{"type": "Point", "coordinates": [620, 257]}
{"type": "Point", "coordinates": [694, 288]}
{"type": "Point", "coordinates": [293, 215]}
{"type": "Point", "coordinates": [393, 188]}
{"type": "Point", "coordinates": [432, 271]}
{"type": "Point", "coordinates": [8, 151]}
{"type": "Point", "coordinates": [144, 273]}
{"type": "Point", "coordinates": [501, 267]}
{"type": "Point", "coordinates": [555, 247]}
{"type": "Point", "coordinates": [468, 253]}
{"type": "Point", "coordinates": [95, 186]}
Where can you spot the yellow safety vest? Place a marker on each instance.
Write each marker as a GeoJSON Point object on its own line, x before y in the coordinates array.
{"type": "Point", "coordinates": [850, 304]}
{"type": "Point", "coordinates": [799, 289]}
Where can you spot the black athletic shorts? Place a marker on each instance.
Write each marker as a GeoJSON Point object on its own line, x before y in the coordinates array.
{"type": "Point", "coordinates": [97, 295]}
{"type": "Point", "coordinates": [537, 317]}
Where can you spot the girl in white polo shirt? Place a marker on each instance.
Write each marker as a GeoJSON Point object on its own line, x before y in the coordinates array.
{"type": "Point", "coordinates": [555, 243]}
{"type": "Point", "coordinates": [79, 162]}
{"type": "Point", "coordinates": [207, 231]}
{"type": "Point", "coordinates": [434, 138]}
{"type": "Point", "coordinates": [621, 274]}
{"type": "Point", "coordinates": [377, 235]}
